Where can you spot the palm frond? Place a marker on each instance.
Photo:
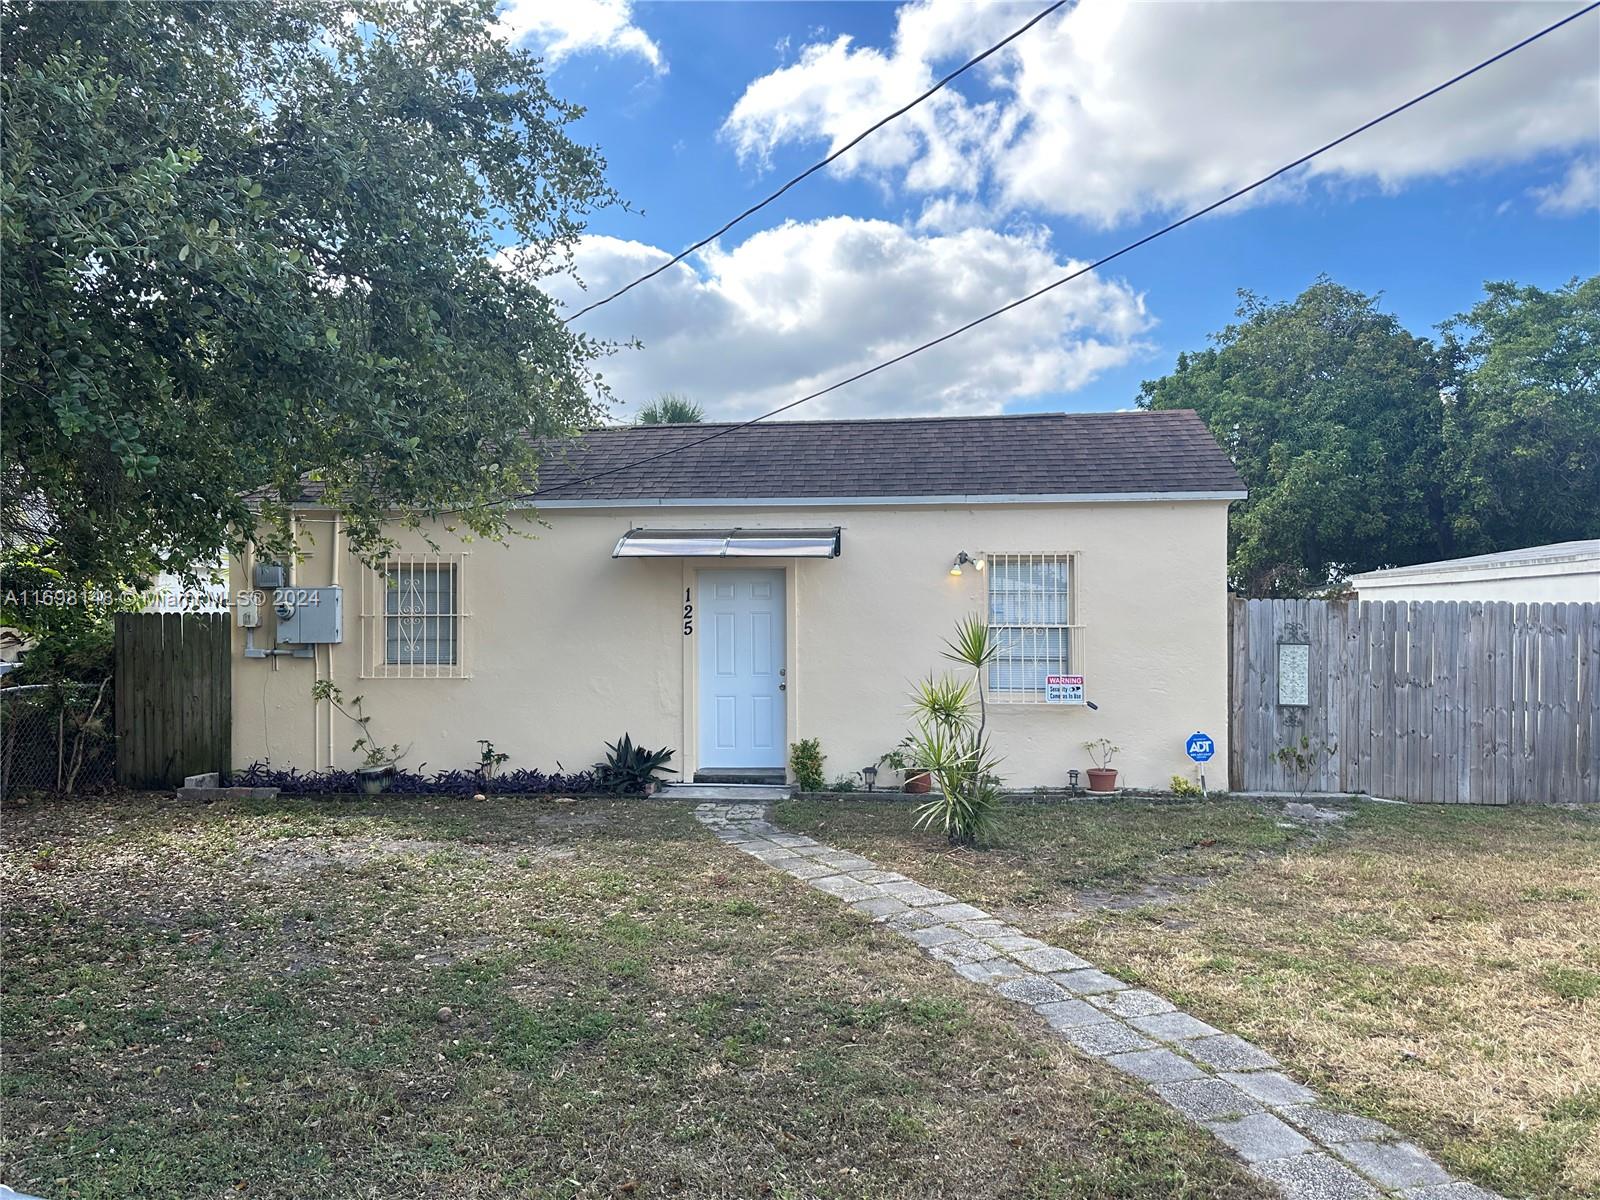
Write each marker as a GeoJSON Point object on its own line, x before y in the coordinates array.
{"type": "Point", "coordinates": [974, 644]}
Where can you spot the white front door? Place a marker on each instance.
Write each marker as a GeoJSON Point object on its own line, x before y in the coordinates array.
{"type": "Point", "coordinates": [743, 680]}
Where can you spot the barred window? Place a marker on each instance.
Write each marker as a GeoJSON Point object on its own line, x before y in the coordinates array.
{"type": "Point", "coordinates": [413, 618]}
{"type": "Point", "coordinates": [420, 615]}
{"type": "Point", "coordinates": [1030, 615]}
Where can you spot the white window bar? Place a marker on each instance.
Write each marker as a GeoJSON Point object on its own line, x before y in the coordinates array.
{"type": "Point", "coordinates": [1031, 607]}
{"type": "Point", "coordinates": [413, 618]}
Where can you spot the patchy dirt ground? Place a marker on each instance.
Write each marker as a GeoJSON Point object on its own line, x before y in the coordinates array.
{"type": "Point", "coordinates": [511, 999]}
{"type": "Point", "coordinates": [1437, 968]}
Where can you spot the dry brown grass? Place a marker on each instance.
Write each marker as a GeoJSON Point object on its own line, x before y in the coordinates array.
{"type": "Point", "coordinates": [1437, 968]}
{"type": "Point", "coordinates": [243, 999]}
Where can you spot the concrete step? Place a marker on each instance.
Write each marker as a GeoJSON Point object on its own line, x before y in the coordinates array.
{"type": "Point", "coordinates": [773, 777]}
{"type": "Point", "coordinates": [733, 793]}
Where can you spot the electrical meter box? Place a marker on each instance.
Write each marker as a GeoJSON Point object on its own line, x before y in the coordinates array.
{"type": "Point", "coordinates": [249, 610]}
{"type": "Point", "coordinates": [269, 576]}
{"type": "Point", "coordinates": [310, 615]}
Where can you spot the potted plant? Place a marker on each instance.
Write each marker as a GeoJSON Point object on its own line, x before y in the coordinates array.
{"type": "Point", "coordinates": [915, 779]}
{"type": "Point", "coordinates": [376, 773]}
{"type": "Point", "coordinates": [378, 762]}
{"type": "Point", "coordinates": [1102, 777]}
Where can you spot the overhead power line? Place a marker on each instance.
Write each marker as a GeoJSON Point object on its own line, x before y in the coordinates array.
{"type": "Point", "coordinates": [817, 166]}
{"type": "Point", "coordinates": [1065, 279]}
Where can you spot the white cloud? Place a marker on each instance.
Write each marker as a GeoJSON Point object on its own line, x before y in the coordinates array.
{"type": "Point", "coordinates": [793, 308]}
{"type": "Point", "coordinates": [1578, 191]}
{"type": "Point", "coordinates": [558, 29]}
{"type": "Point", "coordinates": [1117, 109]}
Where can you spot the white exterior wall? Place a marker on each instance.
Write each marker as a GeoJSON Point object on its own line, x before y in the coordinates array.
{"type": "Point", "coordinates": [1555, 583]}
{"type": "Point", "coordinates": [568, 648]}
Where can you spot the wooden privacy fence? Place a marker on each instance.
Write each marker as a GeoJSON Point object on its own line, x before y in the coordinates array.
{"type": "Point", "coordinates": [1458, 703]}
{"type": "Point", "coordinates": [174, 692]}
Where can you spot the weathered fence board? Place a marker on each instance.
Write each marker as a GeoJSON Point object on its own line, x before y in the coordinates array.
{"type": "Point", "coordinates": [1458, 703]}
{"type": "Point", "coordinates": [174, 697]}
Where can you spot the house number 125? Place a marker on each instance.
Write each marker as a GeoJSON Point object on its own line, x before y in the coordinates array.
{"type": "Point", "coordinates": [688, 614]}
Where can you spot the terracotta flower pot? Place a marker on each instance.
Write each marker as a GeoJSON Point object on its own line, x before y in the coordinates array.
{"type": "Point", "coordinates": [918, 781]}
{"type": "Point", "coordinates": [1102, 779]}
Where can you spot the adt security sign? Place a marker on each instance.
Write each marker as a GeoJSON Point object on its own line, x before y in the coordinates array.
{"type": "Point", "coordinates": [1200, 747]}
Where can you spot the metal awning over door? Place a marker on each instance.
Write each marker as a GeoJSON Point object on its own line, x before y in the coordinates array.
{"type": "Point", "coordinates": [728, 543]}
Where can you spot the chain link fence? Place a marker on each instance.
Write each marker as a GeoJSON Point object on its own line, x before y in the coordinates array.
{"type": "Point", "coordinates": [57, 737]}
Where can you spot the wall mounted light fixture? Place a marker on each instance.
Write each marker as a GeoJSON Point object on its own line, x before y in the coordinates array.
{"type": "Point", "coordinates": [965, 559]}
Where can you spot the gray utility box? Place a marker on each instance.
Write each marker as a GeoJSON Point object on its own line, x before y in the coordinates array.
{"type": "Point", "coordinates": [309, 615]}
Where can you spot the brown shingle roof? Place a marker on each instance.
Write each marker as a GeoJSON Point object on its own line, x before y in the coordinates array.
{"type": "Point", "coordinates": [1031, 454]}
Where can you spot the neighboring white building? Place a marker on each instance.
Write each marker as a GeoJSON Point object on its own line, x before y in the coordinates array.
{"type": "Point", "coordinates": [1563, 573]}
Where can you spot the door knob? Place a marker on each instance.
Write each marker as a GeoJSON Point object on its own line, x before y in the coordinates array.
{"type": "Point", "coordinates": [783, 687]}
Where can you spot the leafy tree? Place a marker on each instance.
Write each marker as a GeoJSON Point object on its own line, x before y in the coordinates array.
{"type": "Point", "coordinates": [1332, 413]}
{"type": "Point", "coordinates": [1522, 428]}
{"type": "Point", "coordinates": [669, 408]}
{"type": "Point", "coordinates": [248, 243]}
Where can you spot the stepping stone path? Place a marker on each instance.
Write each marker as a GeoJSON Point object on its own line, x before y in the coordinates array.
{"type": "Point", "coordinates": [1231, 1087]}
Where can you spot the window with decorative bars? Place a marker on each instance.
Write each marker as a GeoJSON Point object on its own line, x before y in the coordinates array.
{"type": "Point", "coordinates": [413, 619]}
{"type": "Point", "coordinates": [1031, 617]}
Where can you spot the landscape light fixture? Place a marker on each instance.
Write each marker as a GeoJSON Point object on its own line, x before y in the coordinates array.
{"type": "Point", "coordinates": [964, 559]}
{"type": "Point", "coordinates": [869, 776]}
{"type": "Point", "coordinates": [1072, 781]}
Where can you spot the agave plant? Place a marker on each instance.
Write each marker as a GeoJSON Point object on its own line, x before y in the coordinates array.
{"type": "Point", "coordinates": [628, 768]}
{"type": "Point", "coordinates": [951, 740]}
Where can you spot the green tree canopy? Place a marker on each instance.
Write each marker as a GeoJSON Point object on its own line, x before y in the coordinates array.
{"type": "Point", "coordinates": [1332, 413]}
{"type": "Point", "coordinates": [248, 243]}
{"type": "Point", "coordinates": [670, 408]}
{"type": "Point", "coordinates": [1522, 429]}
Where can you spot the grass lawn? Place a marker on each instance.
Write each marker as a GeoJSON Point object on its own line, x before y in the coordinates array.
{"type": "Point", "coordinates": [512, 999]}
{"type": "Point", "coordinates": [1438, 968]}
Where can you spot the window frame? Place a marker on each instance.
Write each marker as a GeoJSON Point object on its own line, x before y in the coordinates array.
{"type": "Point", "coordinates": [376, 618]}
{"type": "Point", "coordinates": [1070, 660]}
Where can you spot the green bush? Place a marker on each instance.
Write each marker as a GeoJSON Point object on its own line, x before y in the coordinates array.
{"type": "Point", "coordinates": [805, 760]}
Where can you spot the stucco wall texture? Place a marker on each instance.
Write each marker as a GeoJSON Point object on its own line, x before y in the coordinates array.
{"type": "Point", "coordinates": [567, 648]}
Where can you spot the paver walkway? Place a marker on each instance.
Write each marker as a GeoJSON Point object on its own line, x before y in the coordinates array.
{"type": "Point", "coordinates": [1233, 1088]}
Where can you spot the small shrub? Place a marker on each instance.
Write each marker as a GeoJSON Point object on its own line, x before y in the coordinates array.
{"type": "Point", "coordinates": [490, 760]}
{"type": "Point", "coordinates": [1182, 785]}
{"type": "Point", "coordinates": [844, 783]}
{"type": "Point", "coordinates": [805, 760]}
{"type": "Point", "coordinates": [628, 768]}
{"type": "Point", "coordinates": [1303, 759]}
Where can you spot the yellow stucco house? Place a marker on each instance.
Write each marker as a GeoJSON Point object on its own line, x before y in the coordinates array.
{"type": "Point", "coordinates": [778, 582]}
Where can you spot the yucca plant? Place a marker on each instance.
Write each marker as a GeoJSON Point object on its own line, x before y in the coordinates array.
{"type": "Point", "coordinates": [951, 740]}
{"type": "Point", "coordinates": [974, 646]}
{"type": "Point", "coordinates": [944, 700]}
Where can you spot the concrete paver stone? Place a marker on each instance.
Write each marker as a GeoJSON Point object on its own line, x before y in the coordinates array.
{"type": "Point", "coordinates": [1214, 1078]}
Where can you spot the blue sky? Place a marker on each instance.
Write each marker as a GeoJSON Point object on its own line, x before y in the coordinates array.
{"type": "Point", "coordinates": [1094, 127]}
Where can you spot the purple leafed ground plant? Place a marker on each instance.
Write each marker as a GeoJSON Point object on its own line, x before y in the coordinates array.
{"type": "Point", "coordinates": [522, 782]}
